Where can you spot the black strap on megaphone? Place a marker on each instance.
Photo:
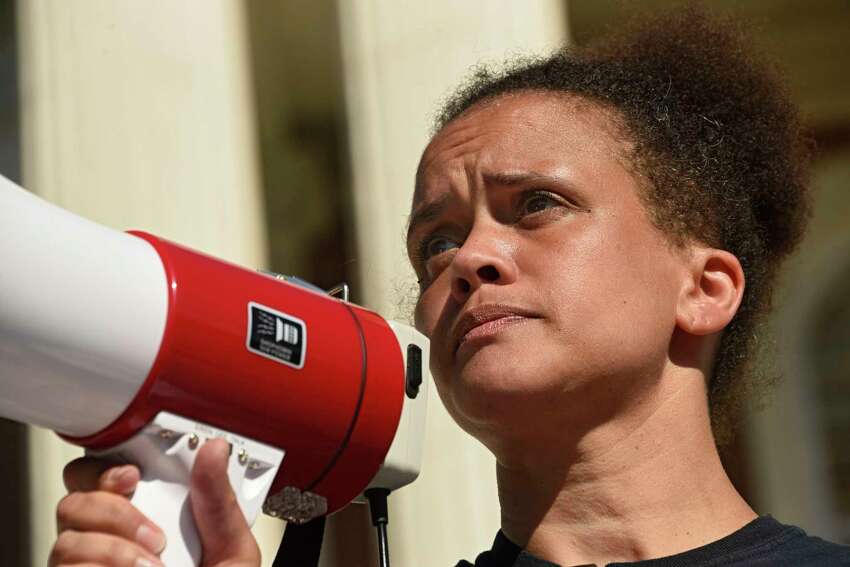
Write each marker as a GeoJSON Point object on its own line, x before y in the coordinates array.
{"type": "Point", "coordinates": [301, 544]}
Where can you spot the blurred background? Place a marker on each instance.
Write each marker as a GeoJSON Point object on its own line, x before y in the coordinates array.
{"type": "Point", "coordinates": [285, 135]}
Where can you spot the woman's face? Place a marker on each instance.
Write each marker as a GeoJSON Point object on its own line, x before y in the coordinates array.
{"type": "Point", "coordinates": [548, 295]}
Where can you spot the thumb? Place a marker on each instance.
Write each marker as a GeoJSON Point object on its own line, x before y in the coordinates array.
{"type": "Point", "coordinates": [225, 536]}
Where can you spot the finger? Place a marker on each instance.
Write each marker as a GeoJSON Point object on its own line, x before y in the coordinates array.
{"type": "Point", "coordinates": [224, 533]}
{"type": "Point", "coordinates": [109, 514]}
{"type": "Point", "coordinates": [81, 475]}
{"type": "Point", "coordinates": [120, 480]}
{"type": "Point", "coordinates": [99, 549]}
{"type": "Point", "coordinates": [87, 474]}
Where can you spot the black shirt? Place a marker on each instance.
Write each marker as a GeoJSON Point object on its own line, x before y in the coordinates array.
{"type": "Point", "coordinates": [763, 542]}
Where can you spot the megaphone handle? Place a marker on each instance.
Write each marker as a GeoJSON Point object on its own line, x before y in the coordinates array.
{"type": "Point", "coordinates": [165, 453]}
{"type": "Point", "coordinates": [163, 497]}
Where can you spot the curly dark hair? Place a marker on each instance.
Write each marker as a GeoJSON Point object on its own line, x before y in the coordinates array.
{"type": "Point", "coordinates": [719, 148]}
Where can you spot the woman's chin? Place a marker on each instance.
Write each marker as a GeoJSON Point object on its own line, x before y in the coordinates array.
{"type": "Point", "coordinates": [505, 370]}
{"type": "Point", "coordinates": [500, 396]}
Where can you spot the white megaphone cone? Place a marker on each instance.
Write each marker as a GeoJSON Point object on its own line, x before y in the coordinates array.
{"type": "Point", "coordinates": [58, 270]}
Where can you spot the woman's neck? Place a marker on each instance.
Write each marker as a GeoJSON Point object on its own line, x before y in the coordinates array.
{"type": "Point", "coordinates": [649, 484]}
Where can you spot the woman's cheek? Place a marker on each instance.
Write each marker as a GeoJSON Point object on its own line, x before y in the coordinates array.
{"type": "Point", "coordinates": [422, 319]}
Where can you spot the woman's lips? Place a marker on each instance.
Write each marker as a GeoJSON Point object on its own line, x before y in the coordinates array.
{"type": "Point", "coordinates": [486, 321]}
{"type": "Point", "coordinates": [491, 328]}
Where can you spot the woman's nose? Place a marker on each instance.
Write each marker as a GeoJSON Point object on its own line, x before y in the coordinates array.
{"type": "Point", "coordinates": [481, 260]}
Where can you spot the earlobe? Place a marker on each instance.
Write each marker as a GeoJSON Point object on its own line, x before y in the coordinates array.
{"type": "Point", "coordinates": [712, 293]}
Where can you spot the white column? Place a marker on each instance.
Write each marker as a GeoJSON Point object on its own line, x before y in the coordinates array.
{"type": "Point", "coordinates": [400, 59]}
{"type": "Point", "coordinates": [139, 115]}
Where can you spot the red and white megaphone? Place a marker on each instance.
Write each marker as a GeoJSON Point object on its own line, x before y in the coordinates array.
{"type": "Point", "coordinates": [138, 348]}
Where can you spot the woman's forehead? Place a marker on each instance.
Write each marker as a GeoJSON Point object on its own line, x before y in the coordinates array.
{"type": "Point", "coordinates": [532, 131]}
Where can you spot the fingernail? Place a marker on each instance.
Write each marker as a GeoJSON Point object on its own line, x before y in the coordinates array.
{"type": "Point", "coordinates": [118, 474]}
{"type": "Point", "coordinates": [151, 539]}
{"type": "Point", "coordinates": [144, 562]}
{"type": "Point", "coordinates": [121, 480]}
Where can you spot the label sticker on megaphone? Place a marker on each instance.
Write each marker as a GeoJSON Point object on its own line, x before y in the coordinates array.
{"type": "Point", "coordinates": [276, 335]}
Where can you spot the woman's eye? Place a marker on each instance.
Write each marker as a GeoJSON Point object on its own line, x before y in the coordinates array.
{"type": "Point", "coordinates": [537, 202]}
{"type": "Point", "coordinates": [437, 245]}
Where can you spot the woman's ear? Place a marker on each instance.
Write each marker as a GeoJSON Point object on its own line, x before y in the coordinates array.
{"type": "Point", "coordinates": [712, 292]}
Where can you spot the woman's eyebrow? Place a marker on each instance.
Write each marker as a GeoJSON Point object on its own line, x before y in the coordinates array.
{"type": "Point", "coordinates": [519, 178]}
{"type": "Point", "coordinates": [531, 178]}
{"type": "Point", "coordinates": [427, 212]}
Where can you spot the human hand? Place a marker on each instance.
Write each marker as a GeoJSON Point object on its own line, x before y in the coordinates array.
{"type": "Point", "coordinates": [99, 526]}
